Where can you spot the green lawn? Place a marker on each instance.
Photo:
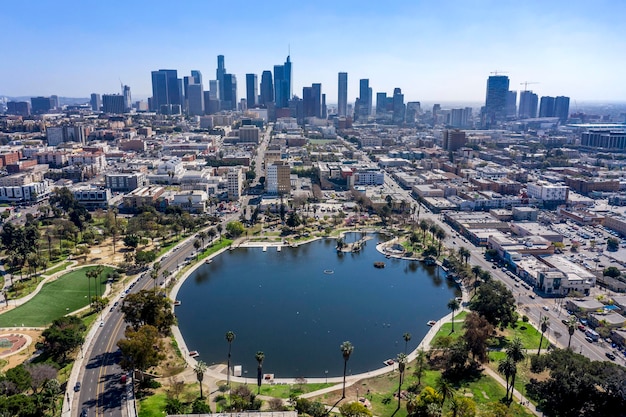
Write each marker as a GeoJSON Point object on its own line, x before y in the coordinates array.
{"type": "Point", "coordinates": [152, 406]}
{"type": "Point", "coordinates": [57, 268]}
{"type": "Point", "coordinates": [283, 391]}
{"type": "Point", "coordinates": [56, 299]}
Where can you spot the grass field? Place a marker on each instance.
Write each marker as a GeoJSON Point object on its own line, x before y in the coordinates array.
{"type": "Point", "coordinates": [57, 268]}
{"type": "Point", "coordinates": [67, 293]}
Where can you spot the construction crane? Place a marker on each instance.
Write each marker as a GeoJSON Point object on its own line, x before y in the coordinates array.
{"type": "Point", "coordinates": [496, 72]}
{"type": "Point", "coordinates": [525, 84]}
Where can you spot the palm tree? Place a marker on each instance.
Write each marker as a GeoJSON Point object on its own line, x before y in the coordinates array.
{"type": "Point", "coordinates": [445, 388]}
{"type": "Point", "coordinates": [346, 350]}
{"type": "Point", "coordinates": [230, 336]}
{"type": "Point", "coordinates": [260, 356]}
{"type": "Point", "coordinates": [476, 270]}
{"type": "Point", "coordinates": [465, 254]}
{"type": "Point", "coordinates": [453, 305]}
{"type": "Point", "coordinates": [544, 323]}
{"type": "Point", "coordinates": [199, 369]}
{"type": "Point", "coordinates": [571, 329]}
{"type": "Point", "coordinates": [515, 351]}
{"type": "Point", "coordinates": [441, 235]}
{"type": "Point", "coordinates": [432, 228]}
{"type": "Point", "coordinates": [202, 236]}
{"type": "Point", "coordinates": [424, 228]}
{"type": "Point", "coordinates": [420, 364]}
{"type": "Point", "coordinates": [401, 366]}
{"type": "Point", "coordinates": [407, 338]}
{"type": "Point", "coordinates": [507, 367]}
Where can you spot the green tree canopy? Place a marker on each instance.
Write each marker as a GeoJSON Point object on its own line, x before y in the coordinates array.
{"type": "Point", "coordinates": [235, 229]}
{"type": "Point", "coordinates": [141, 349]}
{"type": "Point", "coordinates": [64, 335]}
{"type": "Point", "coordinates": [495, 302]}
{"type": "Point", "coordinates": [147, 307]}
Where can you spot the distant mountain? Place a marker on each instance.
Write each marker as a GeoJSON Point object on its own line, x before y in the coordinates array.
{"type": "Point", "coordinates": [63, 101]}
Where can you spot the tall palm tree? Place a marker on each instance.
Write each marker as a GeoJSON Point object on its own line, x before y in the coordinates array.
{"type": "Point", "coordinates": [260, 356]}
{"type": "Point", "coordinates": [407, 339]}
{"type": "Point", "coordinates": [401, 366]}
{"type": "Point", "coordinates": [200, 369]}
{"type": "Point", "coordinates": [445, 388]}
{"type": "Point", "coordinates": [423, 227]}
{"type": "Point", "coordinates": [507, 367]}
{"type": "Point", "coordinates": [420, 365]}
{"type": "Point", "coordinates": [544, 323]}
{"type": "Point", "coordinates": [453, 305]}
{"type": "Point", "coordinates": [441, 235]}
{"type": "Point", "coordinates": [465, 254]}
{"type": "Point", "coordinates": [346, 350]}
{"type": "Point", "coordinates": [571, 329]}
{"type": "Point", "coordinates": [230, 336]}
{"type": "Point", "coordinates": [515, 351]}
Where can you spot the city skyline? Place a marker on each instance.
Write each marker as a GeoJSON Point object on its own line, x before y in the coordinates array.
{"type": "Point", "coordinates": [433, 52]}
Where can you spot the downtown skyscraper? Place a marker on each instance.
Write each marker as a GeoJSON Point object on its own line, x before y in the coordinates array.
{"type": "Point", "coordinates": [267, 89]}
{"type": "Point", "coordinates": [251, 90]}
{"type": "Point", "coordinates": [166, 92]}
{"type": "Point", "coordinates": [282, 84]}
{"type": "Point", "coordinates": [495, 102]}
{"type": "Point", "coordinates": [342, 94]}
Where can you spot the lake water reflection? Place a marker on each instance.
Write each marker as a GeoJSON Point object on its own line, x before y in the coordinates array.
{"type": "Point", "coordinates": [289, 305]}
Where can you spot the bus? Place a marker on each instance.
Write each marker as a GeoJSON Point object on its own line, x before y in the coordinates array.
{"type": "Point", "coordinates": [592, 334]}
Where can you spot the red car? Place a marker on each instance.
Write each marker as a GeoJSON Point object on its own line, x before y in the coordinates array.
{"type": "Point", "coordinates": [581, 328]}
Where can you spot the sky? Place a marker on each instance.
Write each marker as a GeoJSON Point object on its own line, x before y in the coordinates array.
{"type": "Point", "coordinates": [435, 51]}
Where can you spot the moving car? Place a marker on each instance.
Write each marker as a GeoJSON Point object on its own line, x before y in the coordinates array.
{"type": "Point", "coordinates": [77, 387]}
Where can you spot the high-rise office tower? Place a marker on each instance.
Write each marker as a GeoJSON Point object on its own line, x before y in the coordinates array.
{"type": "Point", "coordinates": [96, 102]}
{"type": "Point", "coordinates": [381, 104]}
{"type": "Point", "coordinates": [495, 102]}
{"type": "Point", "coordinates": [324, 108]}
{"type": "Point", "coordinates": [113, 103]}
{"type": "Point", "coordinates": [54, 100]}
{"type": "Point", "coordinates": [365, 98]}
{"type": "Point", "coordinates": [546, 106]}
{"type": "Point", "coordinates": [18, 108]}
{"type": "Point", "coordinates": [561, 108]}
{"type": "Point", "coordinates": [229, 102]}
{"type": "Point", "coordinates": [282, 84]}
{"type": "Point", "coordinates": [312, 101]}
{"type": "Point", "coordinates": [511, 104]}
{"type": "Point", "coordinates": [219, 74]}
{"type": "Point", "coordinates": [195, 100]}
{"type": "Point", "coordinates": [40, 105]}
{"type": "Point", "coordinates": [398, 106]}
{"type": "Point", "coordinates": [342, 95]}
{"type": "Point", "coordinates": [251, 90]}
{"type": "Point", "coordinates": [127, 98]}
{"type": "Point", "coordinates": [197, 76]}
{"type": "Point", "coordinates": [166, 92]}
{"type": "Point", "coordinates": [528, 105]}
{"type": "Point", "coordinates": [267, 88]}
{"type": "Point", "coordinates": [413, 109]}
{"type": "Point", "coordinates": [214, 89]}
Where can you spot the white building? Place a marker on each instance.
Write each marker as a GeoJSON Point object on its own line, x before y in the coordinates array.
{"type": "Point", "coordinates": [34, 191]}
{"type": "Point", "coordinates": [172, 165]}
{"type": "Point", "coordinates": [548, 193]}
{"type": "Point", "coordinates": [369, 177]}
{"type": "Point", "coordinates": [235, 183]}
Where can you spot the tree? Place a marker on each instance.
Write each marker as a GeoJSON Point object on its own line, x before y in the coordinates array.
{"type": "Point", "coordinates": [445, 388]}
{"type": "Point", "coordinates": [544, 323]}
{"type": "Point", "coordinates": [200, 407]}
{"type": "Point", "coordinates": [148, 308]}
{"type": "Point", "coordinates": [420, 365]}
{"type": "Point", "coordinates": [430, 251]}
{"type": "Point", "coordinates": [200, 369]}
{"type": "Point", "coordinates": [440, 234]}
{"type": "Point", "coordinates": [132, 241]}
{"type": "Point", "coordinates": [465, 254]}
{"type": "Point", "coordinates": [515, 351]}
{"type": "Point", "coordinates": [477, 331]}
{"type": "Point", "coordinates": [230, 337]}
{"type": "Point", "coordinates": [402, 359]}
{"type": "Point", "coordinates": [259, 356]}
{"type": "Point", "coordinates": [453, 305]}
{"type": "Point", "coordinates": [354, 409]}
{"type": "Point", "coordinates": [496, 303]}
{"type": "Point", "coordinates": [235, 229]}
{"type": "Point", "coordinates": [612, 244]}
{"type": "Point", "coordinates": [507, 367]}
{"type": "Point", "coordinates": [612, 272]}
{"type": "Point", "coordinates": [140, 349]}
{"type": "Point", "coordinates": [571, 329]}
{"type": "Point", "coordinates": [293, 220]}
{"type": "Point", "coordinates": [346, 350]}
{"type": "Point", "coordinates": [407, 338]}
{"type": "Point", "coordinates": [63, 336]}
{"type": "Point", "coordinates": [423, 227]}
{"type": "Point", "coordinates": [462, 407]}
{"type": "Point", "coordinates": [40, 373]}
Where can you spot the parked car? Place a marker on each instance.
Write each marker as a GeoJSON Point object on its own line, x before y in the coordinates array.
{"type": "Point", "coordinates": [610, 356]}
{"type": "Point", "coordinates": [77, 387]}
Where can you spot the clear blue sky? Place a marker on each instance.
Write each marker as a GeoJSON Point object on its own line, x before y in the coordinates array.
{"type": "Point", "coordinates": [433, 50]}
